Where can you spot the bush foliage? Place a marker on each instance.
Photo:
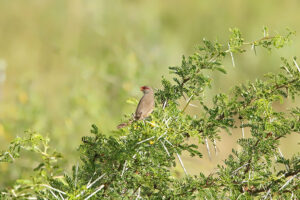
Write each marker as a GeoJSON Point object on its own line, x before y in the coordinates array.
{"type": "Point", "coordinates": [137, 162]}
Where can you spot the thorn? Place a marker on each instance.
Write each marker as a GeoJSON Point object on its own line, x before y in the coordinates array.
{"type": "Point", "coordinates": [10, 155]}
{"type": "Point", "coordinates": [193, 105]}
{"type": "Point", "coordinates": [165, 103]}
{"type": "Point", "coordinates": [57, 190]}
{"type": "Point", "coordinates": [253, 48]}
{"type": "Point", "coordinates": [296, 65]}
{"type": "Point", "coordinates": [188, 102]}
{"type": "Point", "coordinates": [231, 54]}
{"type": "Point", "coordinates": [287, 70]}
{"type": "Point", "coordinates": [145, 140]}
{"type": "Point", "coordinates": [215, 147]}
{"type": "Point", "coordinates": [139, 194]}
{"type": "Point", "coordinates": [152, 124]}
{"type": "Point", "coordinates": [165, 147]}
{"type": "Point", "coordinates": [162, 135]}
{"type": "Point", "coordinates": [91, 178]}
{"type": "Point", "coordinates": [54, 194]}
{"type": "Point", "coordinates": [234, 172]}
{"type": "Point", "coordinates": [288, 182]}
{"type": "Point", "coordinates": [61, 196]}
{"type": "Point", "coordinates": [181, 163]}
{"type": "Point", "coordinates": [243, 132]}
{"type": "Point", "coordinates": [207, 147]}
{"type": "Point", "coordinates": [166, 122]}
{"type": "Point", "coordinates": [267, 194]}
{"type": "Point", "coordinates": [100, 188]}
{"type": "Point", "coordinates": [90, 185]}
{"type": "Point", "coordinates": [124, 168]}
{"type": "Point", "coordinates": [286, 166]}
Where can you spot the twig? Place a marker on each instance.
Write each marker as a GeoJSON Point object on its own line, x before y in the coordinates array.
{"type": "Point", "coordinates": [76, 172]}
{"type": "Point", "coordinates": [291, 173]}
{"type": "Point", "coordinates": [250, 160]}
{"type": "Point", "coordinates": [261, 39]}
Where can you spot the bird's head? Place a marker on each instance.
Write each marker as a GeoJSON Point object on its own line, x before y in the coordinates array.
{"type": "Point", "coordinates": [146, 89]}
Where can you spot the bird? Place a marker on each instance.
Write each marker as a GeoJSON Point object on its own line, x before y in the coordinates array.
{"type": "Point", "coordinates": [144, 108]}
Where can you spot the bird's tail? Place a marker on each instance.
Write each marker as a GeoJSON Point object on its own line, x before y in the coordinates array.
{"type": "Point", "coordinates": [124, 124]}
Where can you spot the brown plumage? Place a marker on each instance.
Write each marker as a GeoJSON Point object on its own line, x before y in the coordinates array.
{"type": "Point", "coordinates": [144, 108]}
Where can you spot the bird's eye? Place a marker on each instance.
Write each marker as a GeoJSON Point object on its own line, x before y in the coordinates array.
{"type": "Point", "coordinates": [144, 88]}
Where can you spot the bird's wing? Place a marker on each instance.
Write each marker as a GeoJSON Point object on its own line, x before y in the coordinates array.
{"type": "Point", "coordinates": [145, 107]}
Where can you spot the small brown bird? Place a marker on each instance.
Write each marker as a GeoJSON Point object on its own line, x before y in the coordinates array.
{"type": "Point", "coordinates": [144, 108]}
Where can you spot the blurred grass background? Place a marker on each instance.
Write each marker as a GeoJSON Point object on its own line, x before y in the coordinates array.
{"type": "Point", "coordinates": [65, 64]}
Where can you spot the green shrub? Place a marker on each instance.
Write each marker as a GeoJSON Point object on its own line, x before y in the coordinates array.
{"type": "Point", "coordinates": [137, 162]}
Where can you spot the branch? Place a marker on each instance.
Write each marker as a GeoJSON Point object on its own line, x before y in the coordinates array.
{"type": "Point", "coordinates": [250, 160]}
{"type": "Point", "coordinates": [288, 174]}
{"type": "Point", "coordinates": [257, 41]}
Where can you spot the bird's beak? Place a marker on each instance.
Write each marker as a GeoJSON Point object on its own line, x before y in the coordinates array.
{"type": "Point", "coordinates": [141, 88]}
